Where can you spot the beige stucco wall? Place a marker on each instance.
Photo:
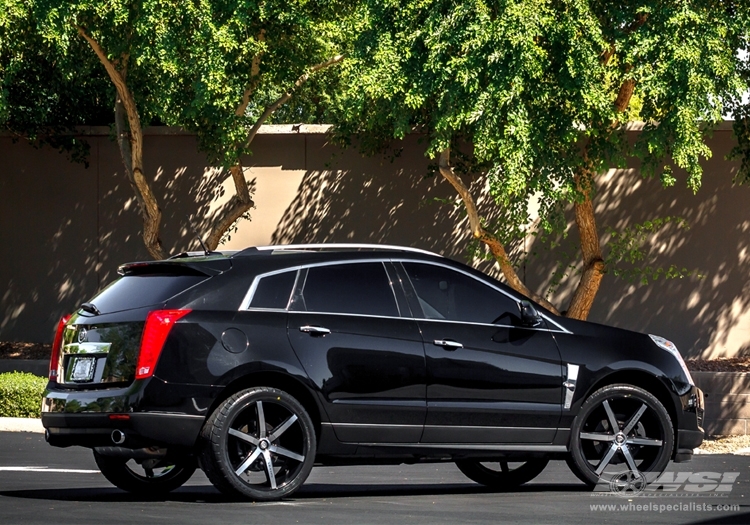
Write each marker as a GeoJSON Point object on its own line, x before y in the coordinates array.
{"type": "Point", "coordinates": [65, 228]}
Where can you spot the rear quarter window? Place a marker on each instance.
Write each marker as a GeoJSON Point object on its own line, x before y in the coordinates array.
{"type": "Point", "coordinates": [136, 291]}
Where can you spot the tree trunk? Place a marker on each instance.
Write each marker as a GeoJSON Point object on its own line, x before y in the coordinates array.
{"type": "Point", "coordinates": [132, 151]}
{"type": "Point", "coordinates": [475, 222]}
{"type": "Point", "coordinates": [591, 251]}
{"type": "Point", "coordinates": [240, 203]}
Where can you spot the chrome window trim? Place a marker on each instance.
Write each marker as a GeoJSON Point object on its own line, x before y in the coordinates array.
{"type": "Point", "coordinates": [435, 263]}
{"type": "Point", "coordinates": [245, 304]}
{"type": "Point", "coordinates": [355, 315]}
{"type": "Point", "coordinates": [248, 299]}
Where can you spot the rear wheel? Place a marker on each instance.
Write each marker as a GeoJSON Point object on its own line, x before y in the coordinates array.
{"type": "Point", "coordinates": [259, 444]}
{"type": "Point", "coordinates": [620, 429]}
{"type": "Point", "coordinates": [153, 477]}
{"type": "Point", "coordinates": [503, 474]}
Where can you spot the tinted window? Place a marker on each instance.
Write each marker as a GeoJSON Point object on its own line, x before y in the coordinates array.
{"type": "Point", "coordinates": [135, 291]}
{"type": "Point", "coordinates": [451, 295]}
{"type": "Point", "coordinates": [274, 291]}
{"type": "Point", "coordinates": [361, 288]}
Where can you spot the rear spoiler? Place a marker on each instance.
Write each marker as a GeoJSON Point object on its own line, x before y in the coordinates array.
{"type": "Point", "coordinates": [188, 266]}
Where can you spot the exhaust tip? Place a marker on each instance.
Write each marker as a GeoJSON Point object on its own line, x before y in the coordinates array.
{"type": "Point", "coordinates": [46, 435]}
{"type": "Point", "coordinates": [118, 437]}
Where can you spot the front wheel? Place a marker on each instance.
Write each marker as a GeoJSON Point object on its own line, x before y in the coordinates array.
{"type": "Point", "coordinates": [152, 477]}
{"type": "Point", "coordinates": [259, 444]}
{"type": "Point", "coordinates": [620, 428]}
{"type": "Point", "coordinates": [502, 474]}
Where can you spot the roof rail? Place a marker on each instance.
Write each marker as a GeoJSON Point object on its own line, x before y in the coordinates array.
{"type": "Point", "coordinates": [334, 246]}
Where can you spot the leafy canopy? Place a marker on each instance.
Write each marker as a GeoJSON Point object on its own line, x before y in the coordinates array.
{"type": "Point", "coordinates": [533, 86]}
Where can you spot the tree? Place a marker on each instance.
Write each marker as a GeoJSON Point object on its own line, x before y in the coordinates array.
{"type": "Point", "coordinates": [220, 69]}
{"type": "Point", "coordinates": [41, 100]}
{"type": "Point", "coordinates": [542, 91]}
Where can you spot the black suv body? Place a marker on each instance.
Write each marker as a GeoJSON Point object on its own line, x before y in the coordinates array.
{"type": "Point", "coordinates": [259, 364]}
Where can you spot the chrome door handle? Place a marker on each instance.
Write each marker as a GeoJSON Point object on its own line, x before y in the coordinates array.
{"type": "Point", "coordinates": [448, 344]}
{"type": "Point", "coordinates": [314, 330]}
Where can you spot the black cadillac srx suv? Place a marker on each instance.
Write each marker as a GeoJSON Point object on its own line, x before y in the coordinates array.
{"type": "Point", "coordinates": [257, 365]}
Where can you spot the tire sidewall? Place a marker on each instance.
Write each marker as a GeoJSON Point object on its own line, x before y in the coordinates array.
{"type": "Point", "coordinates": [218, 443]}
{"type": "Point", "coordinates": [578, 463]}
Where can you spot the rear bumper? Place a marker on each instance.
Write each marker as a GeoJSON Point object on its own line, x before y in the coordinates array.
{"type": "Point", "coordinates": [141, 430]}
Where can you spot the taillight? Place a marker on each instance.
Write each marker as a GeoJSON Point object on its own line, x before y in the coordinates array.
{"type": "Point", "coordinates": [56, 346]}
{"type": "Point", "coordinates": [158, 325]}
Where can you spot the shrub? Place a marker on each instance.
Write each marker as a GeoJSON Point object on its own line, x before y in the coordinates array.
{"type": "Point", "coordinates": [21, 394]}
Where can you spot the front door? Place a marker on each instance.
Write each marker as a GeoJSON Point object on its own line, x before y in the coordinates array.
{"type": "Point", "coordinates": [489, 379]}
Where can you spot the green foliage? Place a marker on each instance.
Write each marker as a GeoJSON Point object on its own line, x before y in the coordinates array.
{"type": "Point", "coordinates": [45, 92]}
{"type": "Point", "coordinates": [21, 394]}
{"type": "Point", "coordinates": [187, 64]}
{"type": "Point", "coordinates": [531, 85]}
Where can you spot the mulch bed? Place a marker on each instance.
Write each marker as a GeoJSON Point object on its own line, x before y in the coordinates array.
{"type": "Point", "coordinates": [10, 350]}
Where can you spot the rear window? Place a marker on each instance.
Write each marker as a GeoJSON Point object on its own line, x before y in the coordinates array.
{"type": "Point", "coordinates": [136, 291]}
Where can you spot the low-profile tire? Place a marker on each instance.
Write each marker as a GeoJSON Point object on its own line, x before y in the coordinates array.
{"type": "Point", "coordinates": [621, 428]}
{"type": "Point", "coordinates": [258, 444]}
{"type": "Point", "coordinates": [154, 477]}
{"type": "Point", "coordinates": [502, 474]}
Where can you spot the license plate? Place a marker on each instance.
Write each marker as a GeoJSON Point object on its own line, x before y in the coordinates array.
{"type": "Point", "coordinates": [82, 369]}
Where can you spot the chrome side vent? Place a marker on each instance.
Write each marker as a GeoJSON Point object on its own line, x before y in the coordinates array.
{"type": "Point", "coordinates": [570, 385]}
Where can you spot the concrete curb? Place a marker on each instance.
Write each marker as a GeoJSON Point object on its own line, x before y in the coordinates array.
{"type": "Point", "coordinates": [20, 424]}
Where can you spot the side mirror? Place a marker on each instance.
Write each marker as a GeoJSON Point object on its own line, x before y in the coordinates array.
{"type": "Point", "coordinates": [529, 316]}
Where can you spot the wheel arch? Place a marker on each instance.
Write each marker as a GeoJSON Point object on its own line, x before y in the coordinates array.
{"type": "Point", "coordinates": [288, 384]}
{"type": "Point", "coordinates": [647, 382]}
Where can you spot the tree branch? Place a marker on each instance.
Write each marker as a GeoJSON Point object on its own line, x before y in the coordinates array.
{"type": "Point", "coordinates": [591, 251]}
{"type": "Point", "coordinates": [254, 77]}
{"type": "Point", "coordinates": [475, 222]}
{"type": "Point", "coordinates": [286, 96]}
{"type": "Point", "coordinates": [149, 206]}
{"type": "Point", "coordinates": [239, 204]}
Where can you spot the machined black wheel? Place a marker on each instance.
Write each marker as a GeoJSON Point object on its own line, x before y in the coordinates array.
{"type": "Point", "coordinates": [502, 474]}
{"type": "Point", "coordinates": [151, 477]}
{"type": "Point", "coordinates": [620, 428]}
{"type": "Point", "coordinates": [259, 444]}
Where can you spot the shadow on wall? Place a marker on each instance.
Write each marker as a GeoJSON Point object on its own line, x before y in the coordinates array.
{"type": "Point", "coordinates": [394, 203]}
{"type": "Point", "coordinates": [67, 228]}
{"type": "Point", "coordinates": [386, 199]}
{"type": "Point", "coordinates": [705, 316]}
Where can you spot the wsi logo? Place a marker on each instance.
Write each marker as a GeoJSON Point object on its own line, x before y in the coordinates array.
{"type": "Point", "coordinates": [667, 484]}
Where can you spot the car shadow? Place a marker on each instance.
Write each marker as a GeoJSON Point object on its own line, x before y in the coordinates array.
{"type": "Point", "coordinates": [312, 491]}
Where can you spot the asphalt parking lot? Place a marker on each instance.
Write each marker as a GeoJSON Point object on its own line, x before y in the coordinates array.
{"type": "Point", "coordinates": [42, 484]}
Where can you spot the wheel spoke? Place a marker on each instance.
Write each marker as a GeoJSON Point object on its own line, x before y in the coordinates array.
{"type": "Point", "coordinates": [644, 441]}
{"type": "Point", "coordinates": [606, 459]}
{"type": "Point", "coordinates": [634, 420]}
{"type": "Point", "coordinates": [273, 436]}
{"type": "Point", "coordinates": [597, 436]}
{"type": "Point", "coordinates": [281, 451]}
{"type": "Point", "coordinates": [149, 472]}
{"type": "Point", "coordinates": [269, 468]}
{"type": "Point", "coordinates": [629, 458]}
{"type": "Point", "coordinates": [248, 461]}
{"type": "Point", "coordinates": [243, 436]}
{"type": "Point", "coordinates": [261, 420]}
{"type": "Point", "coordinates": [611, 417]}
{"type": "Point", "coordinates": [504, 466]}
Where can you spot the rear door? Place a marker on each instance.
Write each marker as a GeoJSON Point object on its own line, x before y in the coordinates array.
{"type": "Point", "coordinates": [347, 328]}
{"type": "Point", "coordinates": [489, 378]}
